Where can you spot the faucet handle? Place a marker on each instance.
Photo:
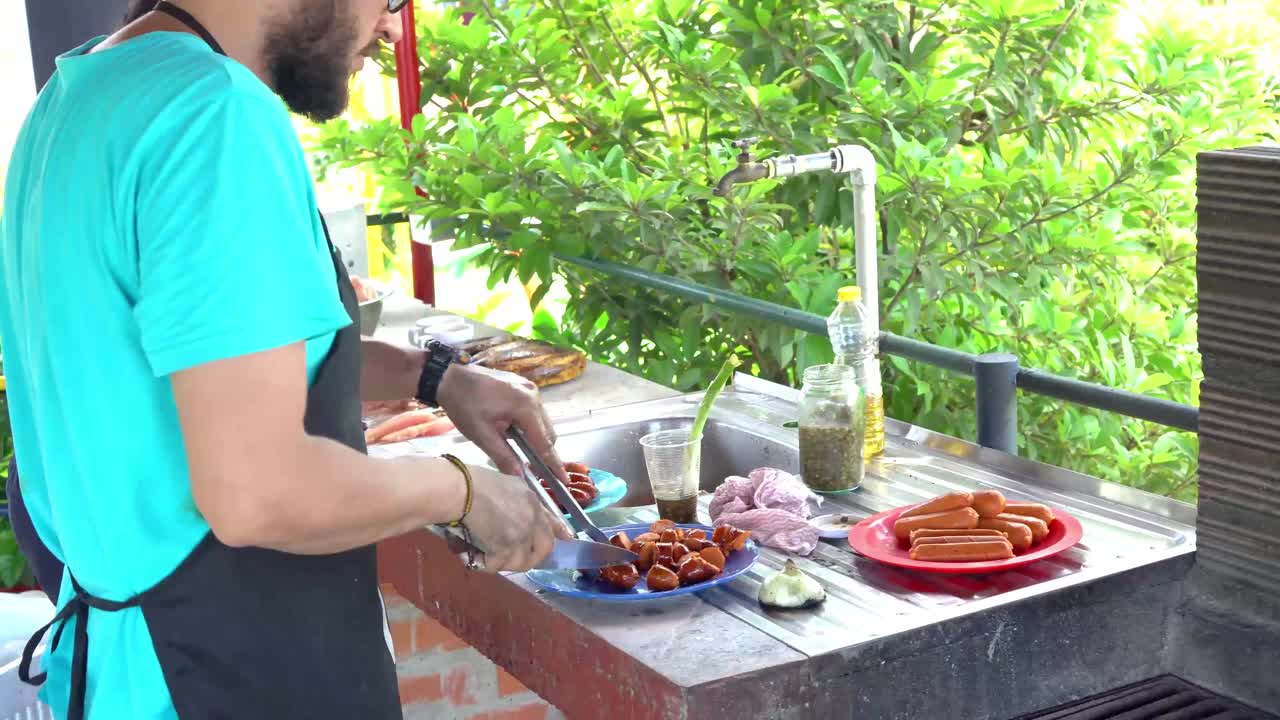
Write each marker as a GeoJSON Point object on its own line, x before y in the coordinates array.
{"type": "Point", "coordinates": [744, 144]}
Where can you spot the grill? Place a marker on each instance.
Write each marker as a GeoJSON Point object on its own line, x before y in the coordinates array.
{"type": "Point", "coordinates": [1161, 698]}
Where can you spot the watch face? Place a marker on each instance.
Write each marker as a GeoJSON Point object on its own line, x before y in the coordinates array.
{"type": "Point", "coordinates": [445, 351]}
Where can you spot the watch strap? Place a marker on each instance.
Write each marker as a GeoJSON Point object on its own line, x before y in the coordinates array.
{"type": "Point", "coordinates": [439, 357]}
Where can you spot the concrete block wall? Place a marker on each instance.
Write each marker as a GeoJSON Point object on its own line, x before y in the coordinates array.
{"type": "Point", "coordinates": [443, 678]}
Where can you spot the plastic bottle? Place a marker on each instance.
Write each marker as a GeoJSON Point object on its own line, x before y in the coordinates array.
{"type": "Point", "coordinates": [856, 347]}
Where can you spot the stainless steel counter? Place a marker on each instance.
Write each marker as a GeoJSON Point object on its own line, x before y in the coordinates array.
{"type": "Point", "coordinates": [1087, 620]}
{"type": "Point", "coordinates": [868, 600]}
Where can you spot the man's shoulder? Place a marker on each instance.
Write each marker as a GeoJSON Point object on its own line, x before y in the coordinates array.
{"type": "Point", "coordinates": [177, 74]}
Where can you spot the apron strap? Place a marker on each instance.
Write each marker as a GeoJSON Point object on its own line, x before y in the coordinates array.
{"type": "Point", "coordinates": [78, 606]}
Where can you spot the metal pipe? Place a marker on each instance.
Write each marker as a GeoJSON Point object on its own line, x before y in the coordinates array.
{"type": "Point", "coordinates": [861, 166]}
{"type": "Point", "coordinates": [996, 395]}
{"type": "Point", "coordinates": [1164, 412]}
{"type": "Point", "coordinates": [1123, 402]}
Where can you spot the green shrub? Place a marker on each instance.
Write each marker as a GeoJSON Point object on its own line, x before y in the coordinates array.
{"type": "Point", "coordinates": [1035, 192]}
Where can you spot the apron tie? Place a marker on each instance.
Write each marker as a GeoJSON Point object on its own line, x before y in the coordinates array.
{"type": "Point", "coordinates": [78, 606]}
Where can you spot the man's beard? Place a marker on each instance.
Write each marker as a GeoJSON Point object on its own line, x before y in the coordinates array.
{"type": "Point", "coordinates": [308, 58]}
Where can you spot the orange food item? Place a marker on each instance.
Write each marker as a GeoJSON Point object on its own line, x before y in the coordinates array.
{"type": "Point", "coordinates": [964, 552]}
{"type": "Point", "coordinates": [942, 503]}
{"type": "Point", "coordinates": [722, 535]}
{"type": "Point", "coordinates": [428, 428]}
{"type": "Point", "coordinates": [661, 579]}
{"type": "Point", "coordinates": [577, 468]}
{"type": "Point", "coordinates": [621, 540]}
{"type": "Point", "coordinates": [1039, 528]}
{"type": "Point", "coordinates": [1018, 533]}
{"type": "Point", "coordinates": [660, 525]}
{"type": "Point", "coordinates": [585, 488]}
{"type": "Point", "coordinates": [579, 497]}
{"type": "Point", "coordinates": [959, 537]}
{"type": "Point", "coordinates": [1035, 510]}
{"type": "Point", "coordinates": [713, 555]}
{"type": "Point", "coordinates": [648, 553]}
{"type": "Point", "coordinates": [623, 577]}
{"type": "Point", "coordinates": [965, 518]}
{"type": "Point", "coordinates": [647, 537]}
{"type": "Point", "coordinates": [664, 554]}
{"type": "Point", "coordinates": [988, 503]}
{"type": "Point", "coordinates": [694, 544]}
{"type": "Point", "coordinates": [917, 534]}
{"type": "Point", "coordinates": [678, 550]}
{"type": "Point", "coordinates": [403, 421]}
{"type": "Point", "coordinates": [738, 542]}
{"type": "Point", "coordinates": [670, 536]}
{"type": "Point", "coordinates": [696, 570]}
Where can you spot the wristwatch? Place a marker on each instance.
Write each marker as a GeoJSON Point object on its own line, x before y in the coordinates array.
{"type": "Point", "coordinates": [439, 357]}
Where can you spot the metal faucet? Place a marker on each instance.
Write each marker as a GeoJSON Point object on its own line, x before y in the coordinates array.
{"type": "Point", "coordinates": [860, 165]}
{"type": "Point", "coordinates": [748, 170]}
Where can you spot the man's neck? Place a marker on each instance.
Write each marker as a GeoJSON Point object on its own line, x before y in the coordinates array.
{"type": "Point", "coordinates": [235, 24]}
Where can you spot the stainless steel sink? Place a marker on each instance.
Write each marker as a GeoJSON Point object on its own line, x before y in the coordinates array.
{"type": "Point", "coordinates": [1124, 528]}
{"type": "Point", "coordinates": [727, 449]}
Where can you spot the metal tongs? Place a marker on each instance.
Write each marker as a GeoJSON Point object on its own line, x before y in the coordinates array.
{"type": "Point", "coordinates": [578, 519]}
{"type": "Point", "coordinates": [576, 554]}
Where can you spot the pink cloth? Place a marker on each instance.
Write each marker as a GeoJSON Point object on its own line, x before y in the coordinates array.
{"type": "Point", "coordinates": [772, 504]}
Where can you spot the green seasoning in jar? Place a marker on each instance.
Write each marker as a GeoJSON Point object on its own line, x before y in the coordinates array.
{"type": "Point", "coordinates": [831, 429]}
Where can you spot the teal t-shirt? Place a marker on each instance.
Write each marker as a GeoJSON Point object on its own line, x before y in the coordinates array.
{"type": "Point", "coordinates": [158, 214]}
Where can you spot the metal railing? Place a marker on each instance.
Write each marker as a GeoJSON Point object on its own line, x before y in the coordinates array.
{"type": "Point", "coordinates": [996, 375]}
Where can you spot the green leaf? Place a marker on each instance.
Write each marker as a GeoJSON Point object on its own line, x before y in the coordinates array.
{"type": "Point", "coordinates": [862, 67]}
{"type": "Point", "coordinates": [1152, 382]}
{"type": "Point", "coordinates": [837, 64]}
{"type": "Point", "coordinates": [469, 183]}
{"type": "Point", "coordinates": [829, 75]}
{"type": "Point", "coordinates": [1019, 8]}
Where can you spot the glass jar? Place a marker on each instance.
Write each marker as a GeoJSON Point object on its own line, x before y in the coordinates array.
{"type": "Point", "coordinates": [832, 421]}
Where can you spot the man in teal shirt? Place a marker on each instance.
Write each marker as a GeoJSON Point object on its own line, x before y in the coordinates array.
{"type": "Point", "coordinates": [184, 378]}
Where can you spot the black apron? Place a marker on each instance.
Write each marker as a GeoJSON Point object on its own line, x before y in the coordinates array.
{"type": "Point", "coordinates": [255, 633]}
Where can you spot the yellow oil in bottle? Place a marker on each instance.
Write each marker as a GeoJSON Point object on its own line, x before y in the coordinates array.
{"type": "Point", "coordinates": [873, 444]}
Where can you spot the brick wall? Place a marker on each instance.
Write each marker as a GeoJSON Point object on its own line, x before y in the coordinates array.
{"type": "Point", "coordinates": [443, 678]}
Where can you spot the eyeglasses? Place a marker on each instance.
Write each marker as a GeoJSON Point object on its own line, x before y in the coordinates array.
{"type": "Point", "coordinates": [395, 6]}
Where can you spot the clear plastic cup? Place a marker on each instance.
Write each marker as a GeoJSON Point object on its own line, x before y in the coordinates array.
{"type": "Point", "coordinates": [674, 463]}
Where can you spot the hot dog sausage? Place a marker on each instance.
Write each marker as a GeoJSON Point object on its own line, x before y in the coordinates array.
{"type": "Point", "coordinates": [1035, 510]}
{"type": "Point", "coordinates": [959, 537]}
{"type": "Point", "coordinates": [714, 556]}
{"type": "Point", "coordinates": [1039, 528]}
{"type": "Point", "coordinates": [1018, 533]}
{"type": "Point", "coordinates": [623, 577]}
{"type": "Point", "coordinates": [917, 534]}
{"type": "Point", "coordinates": [964, 552]}
{"type": "Point", "coordinates": [964, 518]}
{"type": "Point", "coordinates": [942, 503]}
{"type": "Point", "coordinates": [660, 579]}
{"type": "Point", "coordinates": [988, 503]}
{"type": "Point", "coordinates": [577, 468]}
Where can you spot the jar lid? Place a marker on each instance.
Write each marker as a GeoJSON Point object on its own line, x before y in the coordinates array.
{"type": "Point", "coordinates": [849, 293]}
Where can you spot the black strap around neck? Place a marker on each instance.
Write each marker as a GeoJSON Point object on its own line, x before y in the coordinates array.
{"type": "Point", "coordinates": [191, 22]}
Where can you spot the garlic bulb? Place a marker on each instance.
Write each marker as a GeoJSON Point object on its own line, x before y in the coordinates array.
{"type": "Point", "coordinates": [791, 589]}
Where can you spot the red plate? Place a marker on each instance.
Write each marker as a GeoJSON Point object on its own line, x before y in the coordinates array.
{"type": "Point", "coordinates": [874, 538]}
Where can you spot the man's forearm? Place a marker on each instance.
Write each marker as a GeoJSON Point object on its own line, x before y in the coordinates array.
{"type": "Point", "coordinates": [329, 498]}
{"type": "Point", "coordinates": [389, 372]}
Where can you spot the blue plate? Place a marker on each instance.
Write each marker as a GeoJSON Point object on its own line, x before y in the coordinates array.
{"type": "Point", "coordinates": [575, 584]}
{"type": "Point", "coordinates": [609, 490]}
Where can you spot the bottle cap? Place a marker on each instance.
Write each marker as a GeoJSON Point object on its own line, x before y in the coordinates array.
{"type": "Point", "coordinates": [849, 293]}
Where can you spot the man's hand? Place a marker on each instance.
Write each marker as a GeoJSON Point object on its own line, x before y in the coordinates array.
{"type": "Point", "coordinates": [509, 523]}
{"type": "Point", "coordinates": [484, 403]}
